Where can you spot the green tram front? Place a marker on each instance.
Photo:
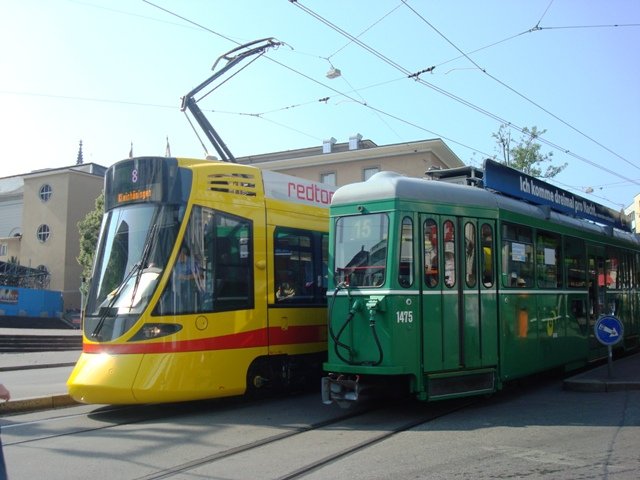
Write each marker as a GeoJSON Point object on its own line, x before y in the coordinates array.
{"type": "Point", "coordinates": [413, 307]}
{"type": "Point", "coordinates": [374, 325]}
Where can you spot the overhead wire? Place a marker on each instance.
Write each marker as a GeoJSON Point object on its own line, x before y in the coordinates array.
{"type": "Point", "coordinates": [449, 94]}
{"type": "Point", "coordinates": [357, 91]}
{"type": "Point", "coordinates": [342, 94]}
{"type": "Point", "coordinates": [84, 99]}
{"type": "Point", "coordinates": [511, 89]}
{"type": "Point", "coordinates": [592, 194]}
{"type": "Point", "coordinates": [408, 74]}
{"type": "Point", "coordinates": [536, 28]}
{"type": "Point", "coordinates": [343, 76]}
{"type": "Point", "coordinates": [368, 28]}
{"type": "Point", "coordinates": [612, 25]}
{"type": "Point", "coordinates": [191, 22]}
{"type": "Point", "coordinates": [314, 101]}
{"type": "Point", "coordinates": [369, 106]}
{"type": "Point", "coordinates": [326, 86]}
{"type": "Point", "coordinates": [544, 13]}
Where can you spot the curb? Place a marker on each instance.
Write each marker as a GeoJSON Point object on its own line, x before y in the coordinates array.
{"type": "Point", "coordinates": [34, 404]}
{"type": "Point", "coordinates": [34, 367]}
{"type": "Point", "coordinates": [600, 386]}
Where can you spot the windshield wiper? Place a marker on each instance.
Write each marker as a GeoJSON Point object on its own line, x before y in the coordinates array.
{"type": "Point", "coordinates": [149, 242]}
{"type": "Point", "coordinates": [105, 311]}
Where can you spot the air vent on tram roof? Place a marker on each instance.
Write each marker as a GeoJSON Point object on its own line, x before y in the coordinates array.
{"type": "Point", "coordinates": [234, 183]}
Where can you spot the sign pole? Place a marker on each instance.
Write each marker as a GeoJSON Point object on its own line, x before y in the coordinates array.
{"type": "Point", "coordinates": [609, 330]}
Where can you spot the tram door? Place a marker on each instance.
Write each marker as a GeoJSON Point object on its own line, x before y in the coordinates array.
{"type": "Point", "coordinates": [459, 332]}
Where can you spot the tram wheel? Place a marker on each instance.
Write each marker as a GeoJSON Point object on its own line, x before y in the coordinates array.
{"type": "Point", "coordinates": [260, 378]}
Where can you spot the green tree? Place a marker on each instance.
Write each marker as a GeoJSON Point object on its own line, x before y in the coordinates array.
{"type": "Point", "coordinates": [89, 229]}
{"type": "Point", "coordinates": [526, 155]}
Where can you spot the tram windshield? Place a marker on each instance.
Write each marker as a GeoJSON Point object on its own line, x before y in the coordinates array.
{"type": "Point", "coordinates": [361, 250]}
{"type": "Point", "coordinates": [135, 245]}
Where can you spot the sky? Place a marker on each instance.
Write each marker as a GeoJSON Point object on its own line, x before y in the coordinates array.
{"type": "Point", "coordinates": [111, 73]}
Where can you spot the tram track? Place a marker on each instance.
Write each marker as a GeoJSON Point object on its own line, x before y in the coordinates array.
{"type": "Point", "coordinates": [303, 471]}
{"type": "Point", "coordinates": [340, 423]}
{"type": "Point", "coordinates": [277, 438]}
{"type": "Point", "coordinates": [108, 412]}
{"type": "Point", "coordinates": [209, 459]}
{"type": "Point", "coordinates": [112, 417]}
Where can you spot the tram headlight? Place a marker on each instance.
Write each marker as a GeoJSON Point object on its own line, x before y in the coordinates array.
{"type": "Point", "coordinates": [155, 330]}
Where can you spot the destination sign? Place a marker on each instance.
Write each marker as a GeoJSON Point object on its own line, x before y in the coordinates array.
{"type": "Point", "coordinates": [514, 183]}
{"type": "Point", "coordinates": [145, 179]}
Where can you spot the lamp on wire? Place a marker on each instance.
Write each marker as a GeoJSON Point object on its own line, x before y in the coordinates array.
{"type": "Point", "coordinates": [333, 73]}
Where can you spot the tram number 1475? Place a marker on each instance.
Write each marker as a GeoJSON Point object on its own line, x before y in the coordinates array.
{"type": "Point", "coordinates": [405, 316]}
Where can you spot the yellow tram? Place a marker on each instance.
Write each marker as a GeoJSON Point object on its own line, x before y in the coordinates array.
{"type": "Point", "coordinates": [209, 281]}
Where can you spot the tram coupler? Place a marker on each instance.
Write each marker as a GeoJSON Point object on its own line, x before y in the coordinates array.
{"type": "Point", "coordinates": [341, 389]}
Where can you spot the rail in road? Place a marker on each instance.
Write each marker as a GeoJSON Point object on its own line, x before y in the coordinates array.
{"type": "Point", "coordinates": [234, 429]}
{"type": "Point", "coordinates": [532, 431]}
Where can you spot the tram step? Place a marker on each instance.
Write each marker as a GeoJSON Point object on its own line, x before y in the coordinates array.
{"type": "Point", "coordinates": [460, 384]}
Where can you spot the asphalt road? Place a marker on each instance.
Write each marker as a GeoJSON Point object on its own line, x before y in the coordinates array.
{"type": "Point", "coordinates": [535, 431]}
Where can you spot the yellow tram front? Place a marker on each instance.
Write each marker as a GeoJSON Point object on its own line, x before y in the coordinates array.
{"type": "Point", "coordinates": [164, 268]}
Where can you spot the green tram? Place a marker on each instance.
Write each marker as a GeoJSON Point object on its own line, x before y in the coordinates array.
{"type": "Point", "coordinates": [446, 290]}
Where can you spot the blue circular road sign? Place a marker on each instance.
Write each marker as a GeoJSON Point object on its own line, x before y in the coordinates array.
{"type": "Point", "coordinates": [608, 330]}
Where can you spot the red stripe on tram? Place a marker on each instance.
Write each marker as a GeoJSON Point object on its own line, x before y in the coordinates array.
{"type": "Point", "coordinates": [252, 339]}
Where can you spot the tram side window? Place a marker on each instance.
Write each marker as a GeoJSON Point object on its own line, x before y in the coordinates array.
{"type": "Point", "coordinates": [575, 262]}
{"type": "Point", "coordinates": [612, 271]}
{"type": "Point", "coordinates": [628, 271]}
{"type": "Point", "coordinates": [405, 270]}
{"type": "Point", "coordinates": [517, 256]}
{"type": "Point", "coordinates": [300, 266]}
{"type": "Point", "coordinates": [625, 271]}
{"type": "Point", "coordinates": [449, 230]}
{"type": "Point", "coordinates": [470, 254]}
{"type": "Point", "coordinates": [232, 264]}
{"type": "Point", "coordinates": [431, 267]}
{"type": "Point", "coordinates": [212, 271]}
{"type": "Point", "coordinates": [487, 255]}
{"type": "Point", "coordinates": [548, 260]}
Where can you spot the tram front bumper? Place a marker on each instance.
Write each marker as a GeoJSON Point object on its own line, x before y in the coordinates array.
{"type": "Point", "coordinates": [101, 378]}
{"type": "Point", "coordinates": [341, 389]}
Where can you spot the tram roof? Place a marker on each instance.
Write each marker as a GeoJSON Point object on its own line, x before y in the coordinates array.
{"type": "Point", "coordinates": [389, 185]}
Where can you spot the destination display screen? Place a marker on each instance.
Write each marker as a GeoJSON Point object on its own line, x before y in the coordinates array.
{"type": "Point", "coordinates": [145, 179]}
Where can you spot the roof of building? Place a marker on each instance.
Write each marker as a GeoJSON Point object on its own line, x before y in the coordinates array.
{"type": "Point", "coordinates": [331, 152]}
{"type": "Point", "coordinates": [13, 186]}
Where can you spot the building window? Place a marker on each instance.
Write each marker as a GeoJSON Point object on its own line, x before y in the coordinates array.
{"type": "Point", "coordinates": [367, 173]}
{"type": "Point", "coordinates": [3, 250]}
{"type": "Point", "coordinates": [328, 178]}
{"type": "Point", "coordinates": [45, 192]}
{"type": "Point", "coordinates": [43, 233]}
